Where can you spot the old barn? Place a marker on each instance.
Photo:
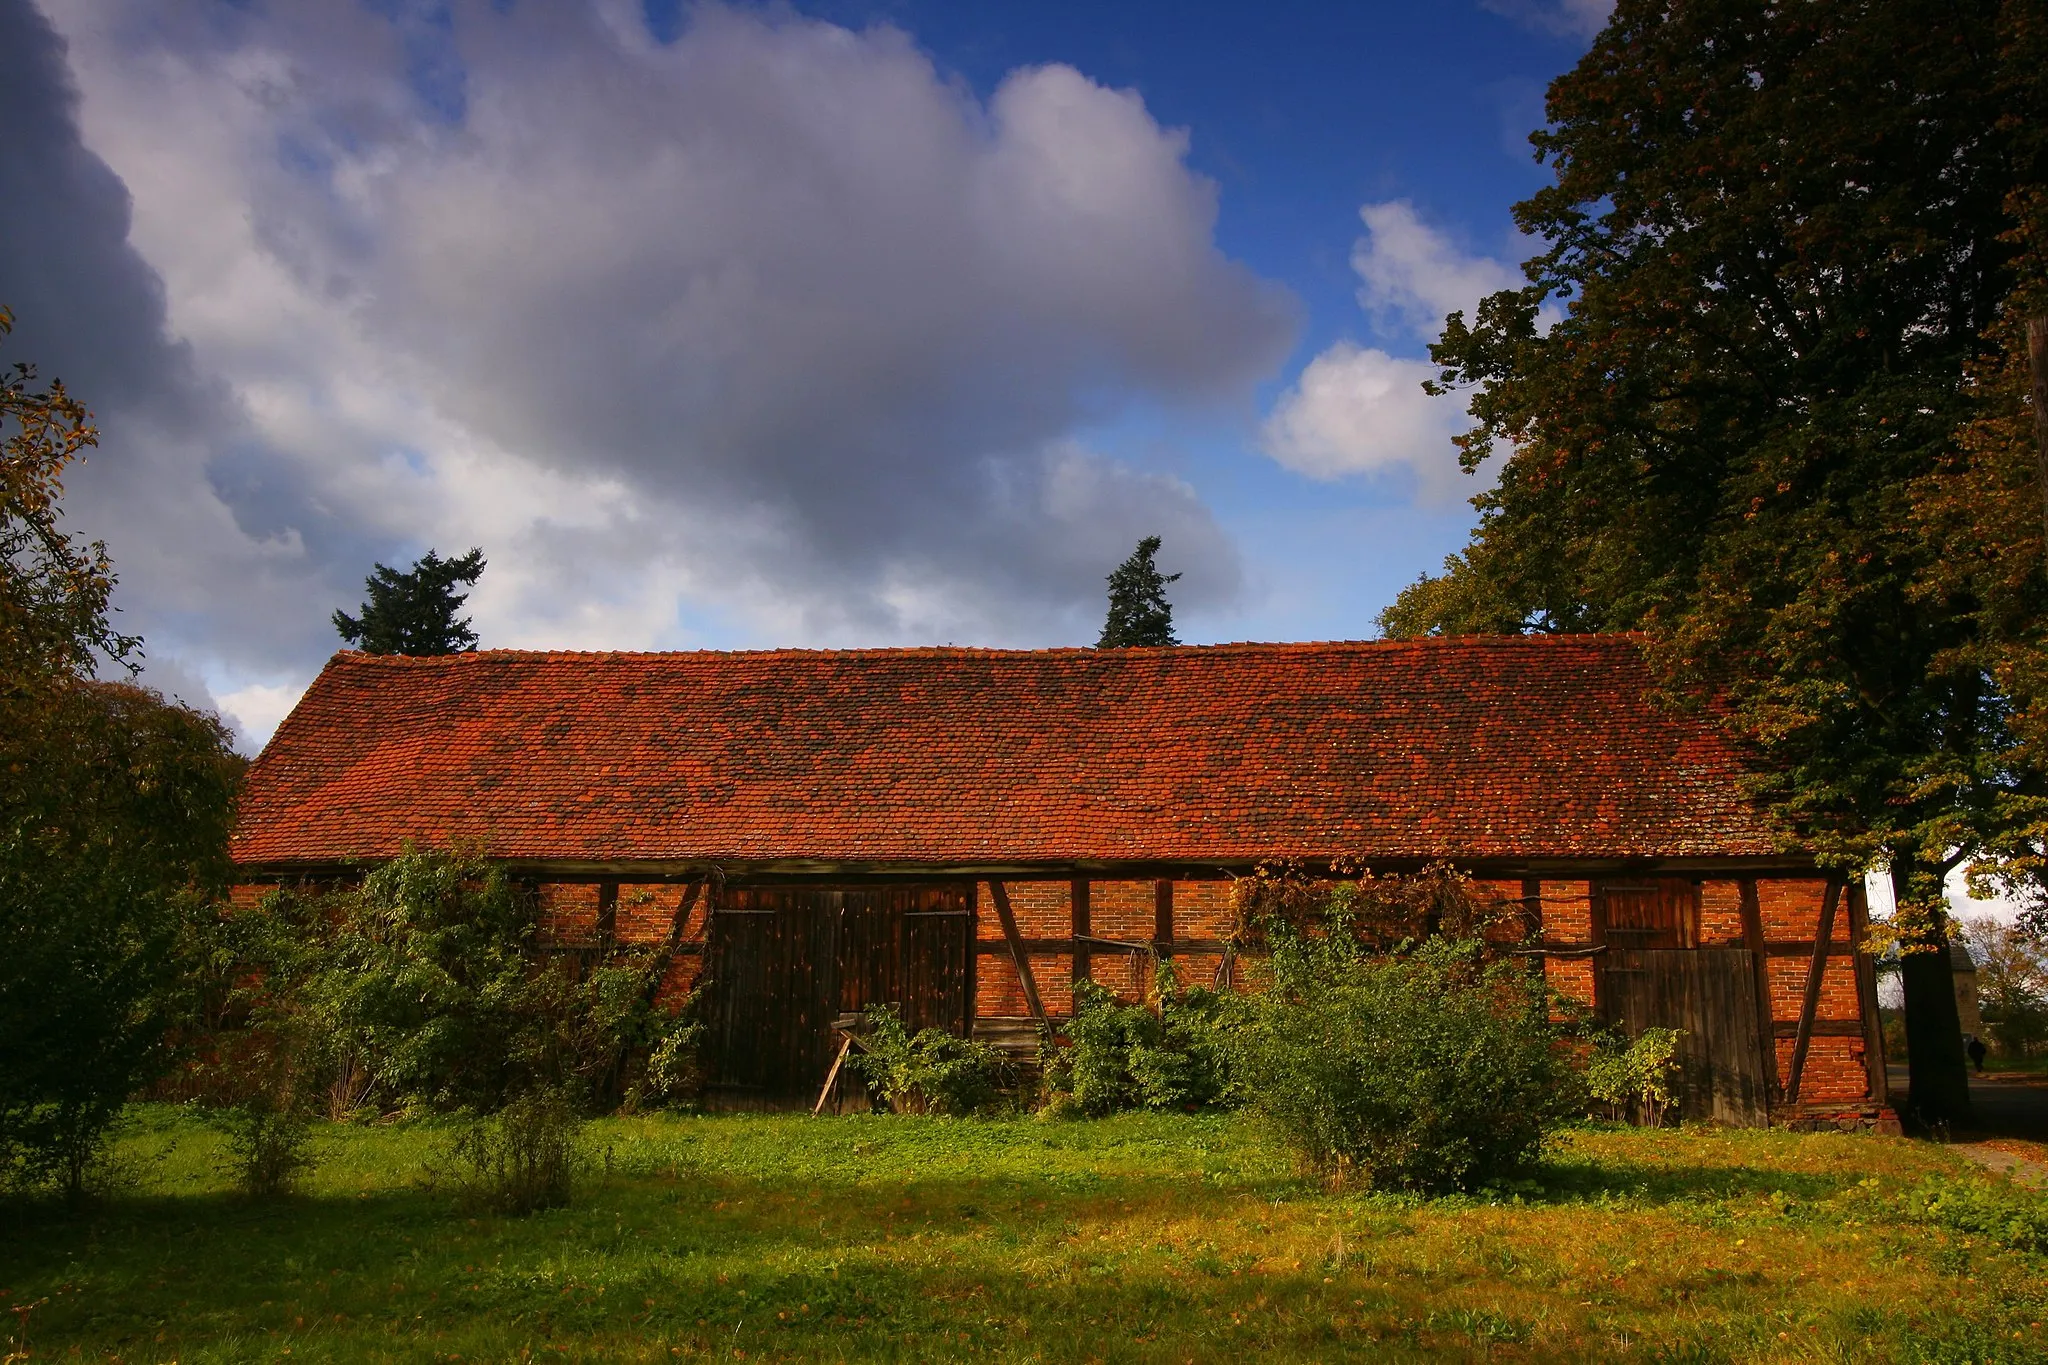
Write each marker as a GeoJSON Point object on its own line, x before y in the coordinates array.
{"type": "Point", "coordinates": [968, 832]}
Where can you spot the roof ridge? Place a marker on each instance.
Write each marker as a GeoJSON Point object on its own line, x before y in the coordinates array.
{"type": "Point", "coordinates": [1603, 640]}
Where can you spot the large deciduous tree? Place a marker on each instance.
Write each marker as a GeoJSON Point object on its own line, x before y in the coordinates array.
{"type": "Point", "coordinates": [115, 808]}
{"type": "Point", "coordinates": [414, 611]}
{"type": "Point", "coordinates": [1780, 232]}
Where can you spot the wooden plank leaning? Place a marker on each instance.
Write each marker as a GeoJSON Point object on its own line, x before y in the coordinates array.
{"type": "Point", "coordinates": [1001, 895]}
{"type": "Point", "coordinates": [1810, 1005]}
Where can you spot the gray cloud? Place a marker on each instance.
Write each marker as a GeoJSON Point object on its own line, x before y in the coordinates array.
{"type": "Point", "coordinates": [775, 323]}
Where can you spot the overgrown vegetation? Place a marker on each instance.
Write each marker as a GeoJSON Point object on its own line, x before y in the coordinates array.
{"type": "Point", "coordinates": [1635, 1079]}
{"type": "Point", "coordinates": [1166, 1053]}
{"type": "Point", "coordinates": [522, 1158]}
{"type": "Point", "coordinates": [1397, 1044]}
{"type": "Point", "coordinates": [424, 988]}
{"type": "Point", "coordinates": [1142, 1238]}
{"type": "Point", "coordinates": [115, 807]}
{"type": "Point", "coordinates": [930, 1071]}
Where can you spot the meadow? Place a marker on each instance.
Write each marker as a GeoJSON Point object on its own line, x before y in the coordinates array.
{"type": "Point", "coordinates": [1141, 1238]}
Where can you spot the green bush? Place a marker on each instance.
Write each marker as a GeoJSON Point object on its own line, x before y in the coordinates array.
{"type": "Point", "coordinates": [270, 1145]}
{"type": "Point", "coordinates": [930, 1072]}
{"type": "Point", "coordinates": [522, 1158]}
{"type": "Point", "coordinates": [424, 987]}
{"type": "Point", "coordinates": [1634, 1080]}
{"type": "Point", "coordinates": [1165, 1054]}
{"type": "Point", "coordinates": [1431, 1069]}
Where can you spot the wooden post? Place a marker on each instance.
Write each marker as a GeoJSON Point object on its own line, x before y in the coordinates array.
{"type": "Point", "coordinates": [1532, 909]}
{"type": "Point", "coordinates": [1596, 935]}
{"type": "Point", "coordinates": [1083, 965]}
{"type": "Point", "coordinates": [607, 913]}
{"type": "Point", "coordinates": [1816, 969]}
{"type": "Point", "coordinates": [1866, 996]}
{"type": "Point", "coordinates": [1759, 955]}
{"type": "Point", "coordinates": [1000, 894]}
{"type": "Point", "coordinates": [1162, 925]}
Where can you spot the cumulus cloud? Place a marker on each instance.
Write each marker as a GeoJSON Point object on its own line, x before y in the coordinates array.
{"type": "Point", "coordinates": [774, 324]}
{"type": "Point", "coordinates": [1412, 277]}
{"type": "Point", "coordinates": [1566, 18]}
{"type": "Point", "coordinates": [1361, 411]}
{"type": "Point", "coordinates": [1358, 410]}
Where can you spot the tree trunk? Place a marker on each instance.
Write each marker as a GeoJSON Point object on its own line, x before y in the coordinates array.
{"type": "Point", "coordinates": [2037, 358]}
{"type": "Point", "coordinates": [1938, 1088]}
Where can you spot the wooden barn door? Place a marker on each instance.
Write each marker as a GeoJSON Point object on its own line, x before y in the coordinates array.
{"type": "Point", "coordinates": [1710, 993]}
{"type": "Point", "coordinates": [772, 992]}
{"type": "Point", "coordinates": [786, 961]}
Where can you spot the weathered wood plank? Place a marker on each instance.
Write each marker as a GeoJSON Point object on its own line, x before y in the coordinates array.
{"type": "Point", "coordinates": [1759, 949]}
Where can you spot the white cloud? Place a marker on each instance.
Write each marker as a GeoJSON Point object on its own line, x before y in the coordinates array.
{"type": "Point", "coordinates": [1359, 410]}
{"type": "Point", "coordinates": [1411, 275]}
{"type": "Point", "coordinates": [774, 325]}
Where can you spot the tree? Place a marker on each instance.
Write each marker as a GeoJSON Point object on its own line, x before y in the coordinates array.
{"type": "Point", "coordinates": [2012, 984]}
{"type": "Point", "coordinates": [1139, 613]}
{"type": "Point", "coordinates": [414, 612]}
{"type": "Point", "coordinates": [115, 808]}
{"type": "Point", "coordinates": [1780, 234]}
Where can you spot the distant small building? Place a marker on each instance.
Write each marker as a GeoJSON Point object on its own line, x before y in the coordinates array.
{"type": "Point", "coordinates": [1963, 968]}
{"type": "Point", "coordinates": [967, 832]}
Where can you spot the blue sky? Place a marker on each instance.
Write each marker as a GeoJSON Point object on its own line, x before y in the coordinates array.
{"type": "Point", "coordinates": [733, 326]}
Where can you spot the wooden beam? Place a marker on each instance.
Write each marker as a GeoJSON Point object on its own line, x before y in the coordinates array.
{"type": "Point", "coordinates": [1822, 1028]}
{"type": "Point", "coordinates": [1815, 971]}
{"type": "Point", "coordinates": [1162, 916]}
{"type": "Point", "coordinates": [1532, 908]}
{"type": "Point", "coordinates": [607, 912]}
{"type": "Point", "coordinates": [1759, 956]}
{"type": "Point", "coordinates": [1866, 996]}
{"type": "Point", "coordinates": [1001, 896]}
{"type": "Point", "coordinates": [1596, 927]}
{"type": "Point", "coordinates": [1078, 898]}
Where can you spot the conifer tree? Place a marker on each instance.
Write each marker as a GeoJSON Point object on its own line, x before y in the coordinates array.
{"type": "Point", "coordinates": [1139, 613]}
{"type": "Point", "coordinates": [414, 612]}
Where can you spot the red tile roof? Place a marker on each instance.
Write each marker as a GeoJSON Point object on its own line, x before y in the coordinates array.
{"type": "Point", "coordinates": [1475, 747]}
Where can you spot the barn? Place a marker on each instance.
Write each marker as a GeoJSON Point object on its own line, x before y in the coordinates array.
{"type": "Point", "coordinates": [968, 832]}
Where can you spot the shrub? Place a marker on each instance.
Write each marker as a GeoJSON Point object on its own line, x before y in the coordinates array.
{"type": "Point", "coordinates": [1165, 1054]}
{"type": "Point", "coordinates": [1430, 1069]}
{"type": "Point", "coordinates": [424, 988]}
{"type": "Point", "coordinates": [522, 1158]}
{"type": "Point", "coordinates": [930, 1072]}
{"type": "Point", "coordinates": [270, 1145]}
{"type": "Point", "coordinates": [1634, 1080]}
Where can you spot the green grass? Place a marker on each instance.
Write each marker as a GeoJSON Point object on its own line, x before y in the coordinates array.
{"type": "Point", "coordinates": [1136, 1239]}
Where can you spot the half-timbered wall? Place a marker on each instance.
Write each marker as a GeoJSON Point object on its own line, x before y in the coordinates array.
{"type": "Point", "coordinates": [1820, 995]}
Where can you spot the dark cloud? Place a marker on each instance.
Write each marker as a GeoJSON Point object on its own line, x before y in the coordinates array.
{"type": "Point", "coordinates": [774, 322]}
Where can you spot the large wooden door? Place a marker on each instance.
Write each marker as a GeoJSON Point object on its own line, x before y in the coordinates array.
{"type": "Point", "coordinates": [785, 961]}
{"type": "Point", "coordinates": [1710, 994]}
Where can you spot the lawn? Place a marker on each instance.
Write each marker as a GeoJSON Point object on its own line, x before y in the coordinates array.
{"type": "Point", "coordinates": [1136, 1239]}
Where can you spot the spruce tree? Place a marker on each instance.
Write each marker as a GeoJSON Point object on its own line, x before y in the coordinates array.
{"type": "Point", "coordinates": [414, 612]}
{"type": "Point", "coordinates": [1139, 613]}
